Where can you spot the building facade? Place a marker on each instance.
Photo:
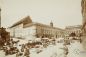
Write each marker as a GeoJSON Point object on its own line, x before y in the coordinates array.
{"type": "Point", "coordinates": [25, 28]}
{"type": "Point", "coordinates": [73, 29]}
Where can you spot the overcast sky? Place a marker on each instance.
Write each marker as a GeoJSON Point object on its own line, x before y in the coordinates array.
{"type": "Point", "coordinates": [61, 12]}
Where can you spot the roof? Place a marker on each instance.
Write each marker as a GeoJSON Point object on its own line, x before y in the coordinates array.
{"type": "Point", "coordinates": [22, 21]}
{"type": "Point", "coordinates": [30, 23]}
{"type": "Point", "coordinates": [72, 27]}
{"type": "Point", "coordinates": [40, 24]}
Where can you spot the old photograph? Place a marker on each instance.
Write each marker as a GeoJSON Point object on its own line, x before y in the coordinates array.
{"type": "Point", "coordinates": [42, 28]}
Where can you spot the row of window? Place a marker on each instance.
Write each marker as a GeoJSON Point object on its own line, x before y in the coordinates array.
{"type": "Point", "coordinates": [46, 30]}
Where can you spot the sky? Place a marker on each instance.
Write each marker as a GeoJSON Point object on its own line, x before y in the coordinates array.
{"type": "Point", "coordinates": [61, 12]}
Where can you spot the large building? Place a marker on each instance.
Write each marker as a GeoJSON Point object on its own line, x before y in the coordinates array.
{"type": "Point", "coordinates": [73, 29]}
{"type": "Point", "coordinates": [26, 28]}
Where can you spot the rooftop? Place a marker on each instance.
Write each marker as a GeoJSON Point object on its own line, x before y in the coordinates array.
{"type": "Point", "coordinates": [22, 21]}
{"type": "Point", "coordinates": [28, 22]}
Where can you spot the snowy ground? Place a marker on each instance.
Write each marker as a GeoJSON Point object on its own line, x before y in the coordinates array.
{"type": "Point", "coordinates": [2, 54]}
{"type": "Point", "coordinates": [50, 51]}
{"type": "Point", "coordinates": [75, 50]}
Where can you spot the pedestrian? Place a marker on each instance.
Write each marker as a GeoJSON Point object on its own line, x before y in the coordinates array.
{"type": "Point", "coordinates": [65, 51]}
{"type": "Point", "coordinates": [22, 48]}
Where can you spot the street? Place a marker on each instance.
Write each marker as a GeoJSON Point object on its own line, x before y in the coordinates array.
{"type": "Point", "coordinates": [74, 50]}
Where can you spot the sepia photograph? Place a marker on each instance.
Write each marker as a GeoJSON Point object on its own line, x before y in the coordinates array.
{"type": "Point", "coordinates": [42, 28]}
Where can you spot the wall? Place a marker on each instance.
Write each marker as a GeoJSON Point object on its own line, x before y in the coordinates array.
{"type": "Point", "coordinates": [16, 31]}
{"type": "Point", "coordinates": [29, 32]}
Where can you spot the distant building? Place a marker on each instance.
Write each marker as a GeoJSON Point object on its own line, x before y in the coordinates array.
{"type": "Point", "coordinates": [73, 29]}
{"type": "Point", "coordinates": [27, 28]}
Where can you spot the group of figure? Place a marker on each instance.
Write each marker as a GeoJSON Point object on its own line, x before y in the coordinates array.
{"type": "Point", "coordinates": [18, 49]}
{"type": "Point", "coordinates": [23, 51]}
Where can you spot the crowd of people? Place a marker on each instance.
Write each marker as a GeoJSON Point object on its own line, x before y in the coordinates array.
{"type": "Point", "coordinates": [14, 48]}
{"type": "Point", "coordinates": [10, 47]}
